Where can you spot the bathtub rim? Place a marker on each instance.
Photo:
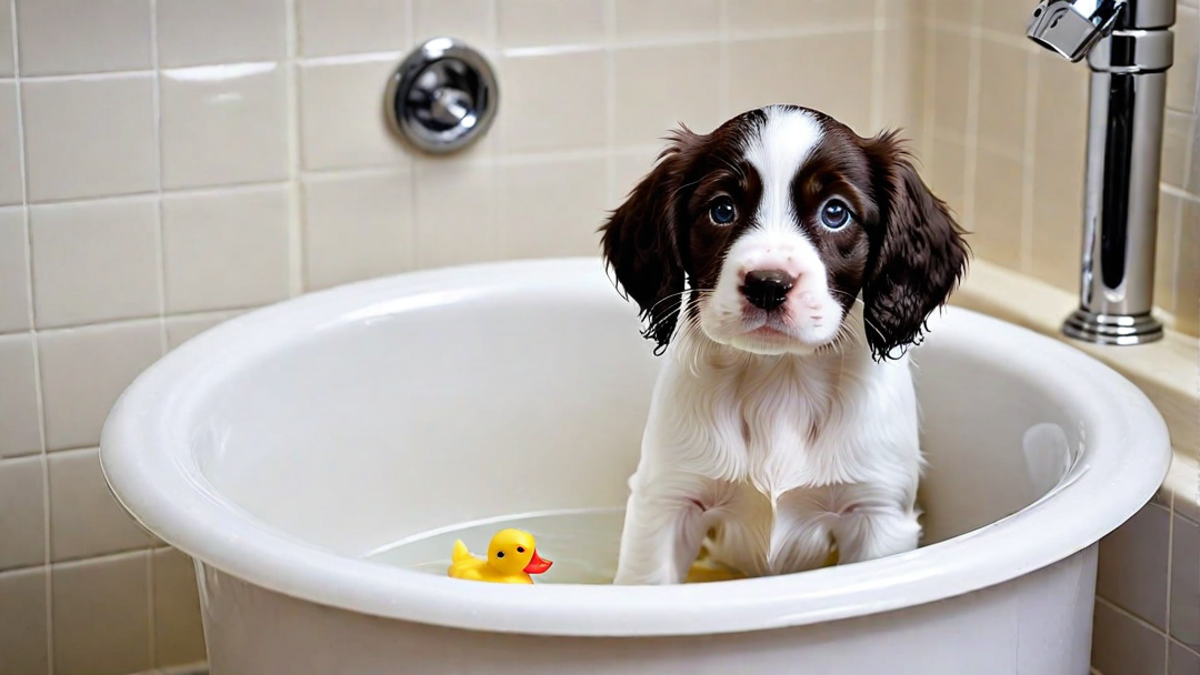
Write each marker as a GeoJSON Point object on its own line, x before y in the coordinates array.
{"type": "Point", "coordinates": [157, 490]}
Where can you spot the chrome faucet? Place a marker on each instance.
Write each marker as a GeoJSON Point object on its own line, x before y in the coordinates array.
{"type": "Point", "coordinates": [1129, 47]}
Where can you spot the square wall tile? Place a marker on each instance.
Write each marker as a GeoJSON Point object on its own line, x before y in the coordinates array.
{"type": "Point", "coordinates": [20, 428]}
{"type": "Point", "coordinates": [180, 329]}
{"type": "Point", "coordinates": [329, 27]}
{"type": "Point", "coordinates": [1132, 572]}
{"type": "Point", "coordinates": [951, 73]}
{"type": "Point", "coordinates": [1187, 266]}
{"type": "Point", "coordinates": [957, 11]}
{"type": "Point", "coordinates": [102, 615]}
{"type": "Point", "coordinates": [83, 36]}
{"type": "Point", "coordinates": [178, 632]}
{"type": "Point", "coordinates": [1178, 130]}
{"type": "Point", "coordinates": [1183, 661]}
{"type": "Point", "coordinates": [660, 87]}
{"type": "Point", "coordinates": [1185, 583]}
{"type": "Point", "coordinates": [84, 371]}
{"type": "Point", "coordinates": [553, 102]}
{"type": "Point", "coordinates": [22, 512]}
{"type": "Point", "coordinates": [1002, 95]}
{"type": "Point", "coordinates": [999, 189]}
{"type": "Point", "coordinates": [24, 641]}
{"type": "Point", "coordinates": [631, 167]}
{"type": "Point", "coordinates": [10, 146]}
{"type": "Point", "coordinates": [94, 261]}
{"type": "Point", "coordinates": [226, 249]}
{"type": "Point", "coordinates": [657, 19]}
{"type": "Point", "coordinates": [551, 209]}
{"type": "Point", "coordinates": [527, 23]}
{"type": "Point", "coordinates": [14, 271]}
{"type": "Point", "coordinates": [1123, 646]}
{"type": "Point", "coordinates": [904, 81]}
{"type": "Point", "coordinates": [109, 151]}
{"type": "Point", "coordinates": [1061, 141]}
{"type": "Point", "coordinates": [357, 227]}
{"type": "Point", "coordinates": [223, 125]}
{"type": "Point", "coordinates": [467, 20]}
{"type": "Point", "coordinates": [450, 229]}
{"type": "Point", "coordinates": [342, 121]}
{"type": "Point", "coordinates": [823, 87]}
{"type": "Point", "coordinates": [1182, 78]}
{"type": "Point", "coordinates": [1010, 17]}
{"type": "Point", "coordinates": [1170, 208]}
{"type": "Point", "coordinates": [249, 31]}
{"type": "Point", "coordinates": [766, 16]}
{"type": "Point", "coordinates": [6, 44]}
{"type": "Point", "coordinates": [86, 520]}
{"type": "Point", "coordinates": [945, 174]}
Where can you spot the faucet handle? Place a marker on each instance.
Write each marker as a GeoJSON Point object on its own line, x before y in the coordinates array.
{"type": "Point", "coordinates": [1070, 28]}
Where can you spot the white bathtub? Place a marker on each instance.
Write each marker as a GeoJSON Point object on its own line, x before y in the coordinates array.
{"type": "Point", "coordinates": [279, 448]}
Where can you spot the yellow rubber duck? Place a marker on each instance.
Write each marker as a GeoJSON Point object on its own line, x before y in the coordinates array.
{"type": "Point", "coordinates": [512, 557]}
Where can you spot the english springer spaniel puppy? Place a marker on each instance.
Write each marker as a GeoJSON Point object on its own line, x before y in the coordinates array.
{"type": "Point", "coordinates": [783, 264]}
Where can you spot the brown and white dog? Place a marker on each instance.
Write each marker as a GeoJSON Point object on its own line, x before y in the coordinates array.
{"type": "Point", "coordinates": [784, 264]}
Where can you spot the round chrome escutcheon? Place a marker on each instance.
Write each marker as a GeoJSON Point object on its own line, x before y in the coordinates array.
{"type": "Point", "coordinates": [442, 97]}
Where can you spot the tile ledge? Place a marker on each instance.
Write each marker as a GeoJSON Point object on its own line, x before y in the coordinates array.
{"type": "Point", "coordinates": [1167, 370]}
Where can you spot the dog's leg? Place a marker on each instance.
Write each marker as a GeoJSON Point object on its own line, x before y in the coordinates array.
{"type": "Point", "coordinates": [866, 534]}
{"type": "Point", "coordinates": [662, 536]}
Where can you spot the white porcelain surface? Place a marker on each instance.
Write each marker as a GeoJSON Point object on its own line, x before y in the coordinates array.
{"type": "Point", "coordinates": [281, 446]}
{"type": "Point", "coordinates": [109, 151]}
{"type": "Point", "coordinates": [83, 36]}
{"type": "Point", "coordinates": [253, 30]}
{"type": "Point", "coordinates": [95, 261]}
{"type": "Point", "coordinates": [224, 124]}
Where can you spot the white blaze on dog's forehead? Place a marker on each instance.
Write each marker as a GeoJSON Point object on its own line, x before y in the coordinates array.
{"type": "Point", "coordinates": [777, 150]}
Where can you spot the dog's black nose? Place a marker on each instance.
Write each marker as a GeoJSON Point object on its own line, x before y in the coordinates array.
{"type": "Point", "coordinates": [767, 289]}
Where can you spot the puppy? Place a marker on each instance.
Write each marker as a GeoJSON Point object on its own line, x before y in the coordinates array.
{"type": "Point", "coordinates": [783, 264]}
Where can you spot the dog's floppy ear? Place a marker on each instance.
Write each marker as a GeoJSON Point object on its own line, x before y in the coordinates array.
{"type": "Point", "coordinates": [641, 240]}
{"type": "Point", "coordinates": [918, 256]}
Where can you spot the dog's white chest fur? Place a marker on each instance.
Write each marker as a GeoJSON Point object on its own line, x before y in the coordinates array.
{"type": "Point", "coordinates": [781, 457]}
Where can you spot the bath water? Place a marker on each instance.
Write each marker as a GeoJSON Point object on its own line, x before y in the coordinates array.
{"type": "Point", "coordinates": [582, 543]}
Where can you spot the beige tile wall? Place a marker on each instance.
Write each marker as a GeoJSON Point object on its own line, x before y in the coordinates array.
{"type": "Point", "coordinates": [1005, 126]}
{"type": "Point", "coordinates": [166, 164]}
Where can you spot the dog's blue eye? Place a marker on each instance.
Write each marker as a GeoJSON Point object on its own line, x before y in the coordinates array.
{"type": "Point", "coordinates": [722, 212]}
{"type": "Point", "coordinates": [835, 214]}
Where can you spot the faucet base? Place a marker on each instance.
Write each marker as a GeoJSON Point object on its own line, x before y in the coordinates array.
{"type": "Point", "coordinates": [1112, 329]}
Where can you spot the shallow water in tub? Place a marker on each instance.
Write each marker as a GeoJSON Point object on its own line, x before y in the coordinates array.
{"type": "Point", "coordinates": [582, 544]}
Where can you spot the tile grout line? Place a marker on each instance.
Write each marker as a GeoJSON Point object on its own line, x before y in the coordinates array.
{"type": "Point", "coordinates": [971, 151]}
{"type": "Point", "coordinates": [295, 233]}
{"type": "Point", "coordinates": [878, 64]}
{"type": "Point", "coordinates": [610, 98]}
{"type": "Point", "coordinates": [156, 90]}
{"type": "Point", "coordinates": [39, 393]}
{"type": "Point", "coordinates": [724, 79]}
{"type": "Point", "coordinates": [1029, 162]}
{"type": "Point", "coordinates": [1130, 615]}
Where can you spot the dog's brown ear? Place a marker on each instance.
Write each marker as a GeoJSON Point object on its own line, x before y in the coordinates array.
{"type": "Point", "coordinates": [641, 240]}
{"type": "Point", "coordinates": [918, 256]}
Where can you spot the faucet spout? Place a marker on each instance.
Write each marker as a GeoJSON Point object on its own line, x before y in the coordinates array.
{"type": "Point", "coordinates": [1129, 47]}
{"type": "Point", "coordinates": [1070, 28]}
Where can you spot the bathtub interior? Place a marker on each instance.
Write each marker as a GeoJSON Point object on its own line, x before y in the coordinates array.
{"type": "Point", "coordinates": [429, 411]}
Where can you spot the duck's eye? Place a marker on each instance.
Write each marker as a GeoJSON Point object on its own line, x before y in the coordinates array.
{"type": "Point", "coordinates": [835, 214]}
{"type": "Point", "coordinates": [722, 211]}
{"type": "Point", "coordinates": [520, 549]}
{"type": "Point", "coordinates": [500, 554]}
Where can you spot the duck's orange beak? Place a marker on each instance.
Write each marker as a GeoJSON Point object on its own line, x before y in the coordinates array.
{"type": "Point", "coordinates": [537, 565]}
